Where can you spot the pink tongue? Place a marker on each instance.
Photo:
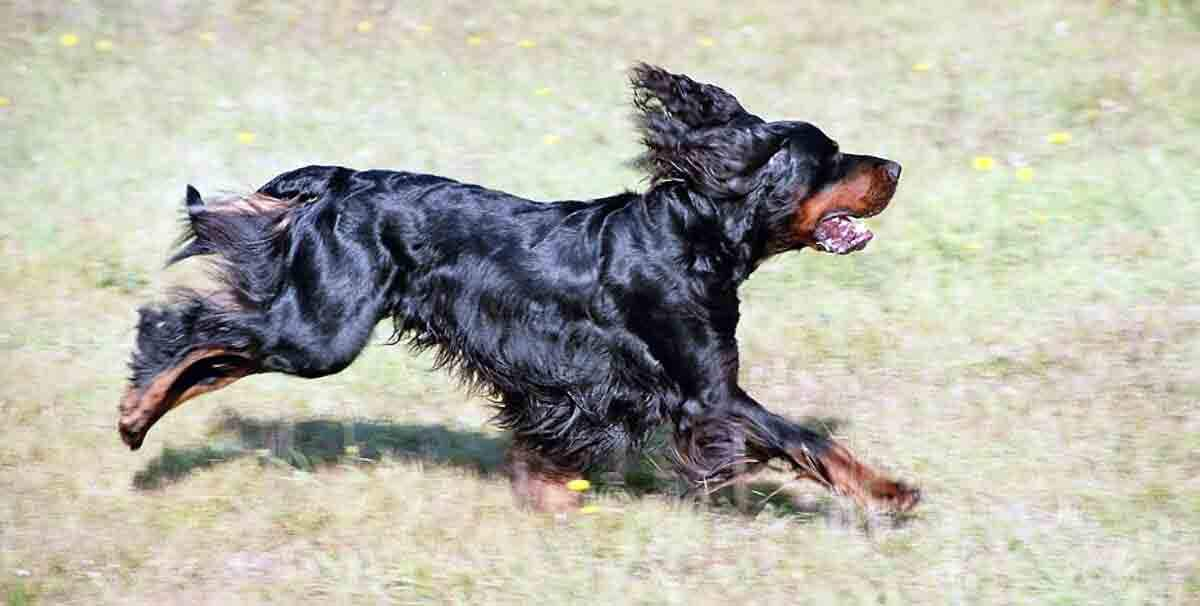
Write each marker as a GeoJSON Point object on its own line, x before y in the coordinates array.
{"type": "Point", "coordinates": [841, 235]}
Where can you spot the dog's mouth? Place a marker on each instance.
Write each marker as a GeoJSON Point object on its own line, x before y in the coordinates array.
{"type": "Point", "coordinates": [831, 219]}
{"type": "Point", "coordinates": [842, 234]}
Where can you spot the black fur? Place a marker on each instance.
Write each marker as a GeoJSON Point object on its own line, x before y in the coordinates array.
{"type": "Point", "coordinates": [591, 323]}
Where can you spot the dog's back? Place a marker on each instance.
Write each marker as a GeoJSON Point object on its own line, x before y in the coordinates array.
{"type": "Point", "coordinates": [519, 297]}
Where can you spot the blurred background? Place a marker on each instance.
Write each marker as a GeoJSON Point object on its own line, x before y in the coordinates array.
{"type": "Point", "coordinates": [1021, 339]}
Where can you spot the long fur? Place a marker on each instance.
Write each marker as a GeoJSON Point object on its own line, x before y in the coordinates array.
{"type": "Point", "coordinates": [591, 324]}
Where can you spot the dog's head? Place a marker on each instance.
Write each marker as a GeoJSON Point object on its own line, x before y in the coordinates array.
{"type": "Point", "coordinates": [793, 180]}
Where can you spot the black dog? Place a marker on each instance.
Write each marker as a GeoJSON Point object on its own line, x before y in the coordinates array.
{"type": "Point", "coordinates": [592, 323]}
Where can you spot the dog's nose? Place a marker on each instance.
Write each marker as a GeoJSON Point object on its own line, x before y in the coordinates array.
{"type": "Point", "coordinates": [893, 170]}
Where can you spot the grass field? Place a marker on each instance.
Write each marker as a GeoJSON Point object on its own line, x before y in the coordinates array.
{"type": "Point", "coordinates": [1022, 339]}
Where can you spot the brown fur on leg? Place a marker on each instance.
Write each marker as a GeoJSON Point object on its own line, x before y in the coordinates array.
{"type": "Point", "coordinates": [836, 468]}
{"type": "Point", "coordinates": [199, 372]}
{"type": "Point", "coordinates": [538, 484]}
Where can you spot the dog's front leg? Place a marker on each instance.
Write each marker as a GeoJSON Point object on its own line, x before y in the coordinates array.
{"type": "Point", "coordinates": [720, 440]}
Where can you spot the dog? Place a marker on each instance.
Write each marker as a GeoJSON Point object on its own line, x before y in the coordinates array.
{"type": "Point", "coordinates": [592, 324]}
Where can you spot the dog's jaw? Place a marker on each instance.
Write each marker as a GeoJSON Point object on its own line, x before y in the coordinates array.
{"type": "Point", "coordinates": [828, 220]}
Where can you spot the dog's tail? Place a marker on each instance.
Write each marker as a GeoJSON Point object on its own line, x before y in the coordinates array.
{"type": "Point", "coordinates": [248, 237]}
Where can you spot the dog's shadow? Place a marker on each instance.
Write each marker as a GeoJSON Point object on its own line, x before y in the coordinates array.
{"type": "Point", "coordinates": [311, 444]}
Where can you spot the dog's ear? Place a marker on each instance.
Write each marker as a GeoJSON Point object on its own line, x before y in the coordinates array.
{"type": "Point", "coordinates": [691, 104]}
{"type": "Point", "coordinates": [698, 133]}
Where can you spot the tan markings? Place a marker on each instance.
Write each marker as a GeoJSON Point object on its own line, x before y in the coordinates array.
{"type": "Point", "coordinates": [253, 204]}
{"type": "Point", "coordinates": [141, 408]}
{"type": "Point", "coordinates": [846, 475]}
{"type": "Point", "coordinates": [256, 204]}
{"type": "Point", "coordinates": [537, 484]}
{"type": "Point", "coordinates": [861, 194]}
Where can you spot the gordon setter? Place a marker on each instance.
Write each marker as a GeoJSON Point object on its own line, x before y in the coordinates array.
{"type": "Point", "coordinates": [591, 323]}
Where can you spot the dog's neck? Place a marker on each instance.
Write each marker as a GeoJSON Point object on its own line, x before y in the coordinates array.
{"type": "Point", "coordinates": [721, 235]}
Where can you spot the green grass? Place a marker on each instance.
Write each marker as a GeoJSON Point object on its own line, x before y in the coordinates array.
{"type": "Point", "coordinates": [1025, 351]}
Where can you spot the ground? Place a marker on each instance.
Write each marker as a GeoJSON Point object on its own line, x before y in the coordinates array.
{"type": "Point", "coordinates": [1021, 339]}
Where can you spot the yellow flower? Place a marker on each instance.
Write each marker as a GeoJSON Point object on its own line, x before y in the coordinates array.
{"type": "Point", "coordinates": [589, 509]}
{"type": "Point", "coordinates": [364, 26]}
{"type": "Point", "coordinates": [68, 40]}
{"type": "Point", "coordinates": [1024, 174]}
{"type": "Point", "coordinates": [246, 137]}
{"type": "Point", "coordinates": [1061, 137]}
{"type": "Point", "coordinates": [474, 40]}
{"type": "Point", "coordinates": [351, 450]}
{"type": "Point", "coordinates": [923, 66]}
{"type": "Point", "coordinates": [983, 163]}
{"type": "Point", "coordinates": [543, 91]}
{"type": "Point", "coordinates": [973, 246]}
{"type": "Point", "coordinates": [207, 37]}
{"type": "Point", "coordinates": [705, 41]}
{"type": "Point", "coordinates": [5, 101]}
{"type": "Point", "coordinates": [526, 43]}
{"type": "Point", "coordinates": [579, 485]}
{"type": "Point", "coordinates": [553, 140]}
{"type": "Point", "coordinates": [104, 45]}
{"type": "Point", "coordinates": [424, 28]}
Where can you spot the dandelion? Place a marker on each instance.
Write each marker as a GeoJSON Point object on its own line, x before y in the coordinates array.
{"type": "Point", "coordinates": [705, 41]}
{"type": "Point", "coordinates": [923, 66]}
{"type": "Point", "coordinates": [68, 40]}
{"type": "Point", "coordinates": [425, 28]}
{"type": "Point", "coordinates": [5, 101]}
{"type": "Point", "coordinates": [1059, 138]}
{"type": "Point", "coordinates": [207, 37]}
{"type": "Point", "coordinates": [587, 509]}
{"type": "Point", "coordinates": [526, 43]}
{"type": "Point", "coordinates": [579, 485]}
{"type": "Point", "coordinates": [246, 137]}
{"type": "Point", "coordinates": [474, 40]}
{"type": "Point", "coordinates": [551, 139]}
{"type": "Point", "coordinates": [983, 163]}
{"type": "Point", "coordinates": [364, 26]}
{"type": "Point", "coordinates": [1024, 174]}
{"type": "Point", "coordinates": [104, 45]}
{"type": "Point", "coordinates": [543, 91]}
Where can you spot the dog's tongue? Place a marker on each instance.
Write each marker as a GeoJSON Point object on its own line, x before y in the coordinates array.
{"type": "Point", "coordinates": [842, 235]}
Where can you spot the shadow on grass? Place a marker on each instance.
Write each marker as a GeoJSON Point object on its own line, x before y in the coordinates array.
{"type": "Point", "coordinates": [312, 443]}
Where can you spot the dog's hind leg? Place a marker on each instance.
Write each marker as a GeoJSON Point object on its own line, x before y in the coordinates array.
{"type": "Point", "coordinates": [538, 483]}
{"type": "Point", "coordinates": [183, 350]}
{"type": "Point", "coordinates": [297, 297]}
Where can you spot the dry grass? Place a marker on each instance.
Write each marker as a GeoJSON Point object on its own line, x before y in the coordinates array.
{"type": "Point", "coordinates": [1026, 351]}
